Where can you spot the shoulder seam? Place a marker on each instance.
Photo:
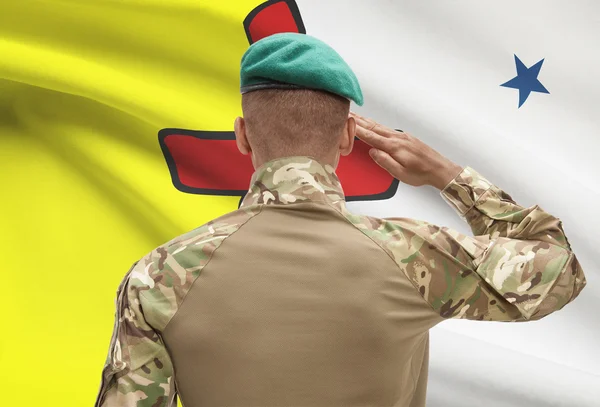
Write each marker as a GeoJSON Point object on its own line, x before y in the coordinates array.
{"type": "Point", "coordinates": [391, 258]}
{"type": "Point", "coordinates": [207, 262]}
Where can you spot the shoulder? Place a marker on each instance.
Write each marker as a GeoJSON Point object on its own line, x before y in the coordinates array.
{"type": "Point", "coordinates": [397, 237]}
{"type": "Point", "coordinates": [161, 279]}
{"type": "Point", "coordinates": [427, 254]}
{"type": "Point", "coordinates": [387, 232]}
{"type": "Point", "coordinates": [208, 236]}
{"type": "Point", "coordinates": [403, 238]}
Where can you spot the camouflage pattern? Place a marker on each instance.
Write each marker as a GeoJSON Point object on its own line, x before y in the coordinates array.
{"type": "Point", "coordinates": [294, 179]}
{"type": "Point", "coordinates": [519, 266]}
{"type": "Point", "coordinates": [138, 370]}
{"type": "Point", "coordinates": [503, 216]}
{"type": "Point", "coordinates": [530, 260]}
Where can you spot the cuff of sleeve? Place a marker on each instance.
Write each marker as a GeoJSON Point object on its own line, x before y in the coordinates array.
{"type": "Point", "coordinates": [463, 192]}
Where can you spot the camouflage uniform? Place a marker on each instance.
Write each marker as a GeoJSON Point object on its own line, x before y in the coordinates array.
{"type": "Point", "coordinates": [306, 304]}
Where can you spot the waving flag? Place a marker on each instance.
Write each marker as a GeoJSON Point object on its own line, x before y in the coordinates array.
{"type": "Point", "coordinates": [190, 154]}
{"type": "Point", "coordinates": [116, 122]}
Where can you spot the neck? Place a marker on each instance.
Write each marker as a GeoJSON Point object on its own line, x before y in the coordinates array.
{"type": "Point", "coordinates": [293, 179]}
{"type": "Point", "coordinates": [330, 159]}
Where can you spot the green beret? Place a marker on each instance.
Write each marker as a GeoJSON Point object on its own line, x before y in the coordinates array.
{"type": "Point", "coordinates": [297, 61]}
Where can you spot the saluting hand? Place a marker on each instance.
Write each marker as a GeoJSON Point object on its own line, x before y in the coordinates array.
{"type": "Point", "coordinates": [405, 157]}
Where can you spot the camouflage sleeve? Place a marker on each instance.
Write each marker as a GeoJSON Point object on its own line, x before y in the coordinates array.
{"type": "Point", "coordinates": [490, 211]}
{"type": "Point", "coordinates": [519, 266]}
{"type": "Point", "coordinates": [138, 370]}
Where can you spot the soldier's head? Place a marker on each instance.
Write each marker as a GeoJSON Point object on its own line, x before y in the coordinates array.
{"type": "Point", "coordinates": [287, 122]}
{"type": "Point", "coordinates": [296, 93]}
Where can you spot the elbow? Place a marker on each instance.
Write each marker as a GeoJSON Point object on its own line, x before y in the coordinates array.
{"type": "Point", "coordinates": [566, 288]}
{"type": "Point", "coordinates": [576, 279]}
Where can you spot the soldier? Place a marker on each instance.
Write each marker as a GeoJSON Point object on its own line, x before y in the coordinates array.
{"type": "Point", "coordinates": [292, 300]}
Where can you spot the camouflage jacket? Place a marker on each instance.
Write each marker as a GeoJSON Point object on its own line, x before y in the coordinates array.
{"type": "Point", "coordinates": [518, 266]}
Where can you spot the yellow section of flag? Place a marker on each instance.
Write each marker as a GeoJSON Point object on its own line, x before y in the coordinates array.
{"type": "Point", "coordinates": [85, 86]}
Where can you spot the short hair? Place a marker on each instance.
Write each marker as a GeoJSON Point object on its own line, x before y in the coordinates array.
{"type": "Point", "coordinates": [287, 122]}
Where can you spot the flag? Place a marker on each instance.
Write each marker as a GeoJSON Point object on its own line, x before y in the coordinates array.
{"type": "Point", "coordinates": [116, 120]}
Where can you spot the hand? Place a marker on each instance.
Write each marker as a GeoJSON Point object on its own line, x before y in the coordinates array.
{"type": "Point", "coordinates": [405, 157]}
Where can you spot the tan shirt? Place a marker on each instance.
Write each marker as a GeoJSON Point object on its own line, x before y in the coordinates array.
{"type": "Point", "coordinates": [292, 300]}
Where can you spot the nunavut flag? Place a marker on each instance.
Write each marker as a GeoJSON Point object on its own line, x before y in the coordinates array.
{"type": "Point", "coordinates": [116, 135]}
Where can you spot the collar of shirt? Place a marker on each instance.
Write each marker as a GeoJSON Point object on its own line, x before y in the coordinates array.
{"type": "Point", "coordinates": [294, 179]}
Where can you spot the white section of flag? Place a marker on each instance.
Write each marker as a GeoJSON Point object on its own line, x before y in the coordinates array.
{"type": "Point", "coordinates": [434, 69]}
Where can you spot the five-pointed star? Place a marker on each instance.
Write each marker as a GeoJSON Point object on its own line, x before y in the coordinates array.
{"type": "Point", "coordinates": [526, 80]}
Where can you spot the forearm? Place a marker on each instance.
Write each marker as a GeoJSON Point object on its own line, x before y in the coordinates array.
{"type": "Point", "coordinates": [491, 211]}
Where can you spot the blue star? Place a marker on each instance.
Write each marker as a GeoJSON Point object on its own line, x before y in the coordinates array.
{"type": "Point", "coordinates": [526, 80]}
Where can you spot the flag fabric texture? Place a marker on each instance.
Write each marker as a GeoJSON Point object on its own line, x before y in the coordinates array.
{"type": "Point", "coordinates": [116, 122]}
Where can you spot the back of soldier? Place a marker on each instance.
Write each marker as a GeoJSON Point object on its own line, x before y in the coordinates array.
{"type": "Point", "coordinates": [293, 300]}
{"type": "Point", "coordinates": [299, 307]}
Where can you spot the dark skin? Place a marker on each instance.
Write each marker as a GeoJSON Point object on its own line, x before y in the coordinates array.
{"type": "Point", "coordinates": [404, 156]}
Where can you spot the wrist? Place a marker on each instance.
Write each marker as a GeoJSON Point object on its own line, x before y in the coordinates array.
{"type": "Point", "coordinates": [445, 175]}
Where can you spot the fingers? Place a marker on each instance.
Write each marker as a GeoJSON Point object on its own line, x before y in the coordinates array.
{"type": "Point", "coordinates": [370, 125]}
{"type": "Point", "coordinates": [366, 123]}
{"type": "Point", "coordinates": [376, 127]}
{"type": "Point", "coordinates": [374, 139]}
{"type": "Point", "coordinates": [388, 163]}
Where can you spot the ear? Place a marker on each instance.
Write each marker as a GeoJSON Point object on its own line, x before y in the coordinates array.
{"type": "Point", "coordinates": [347, 140]}
{"type": "Point", "coordinates": [239, 127]}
